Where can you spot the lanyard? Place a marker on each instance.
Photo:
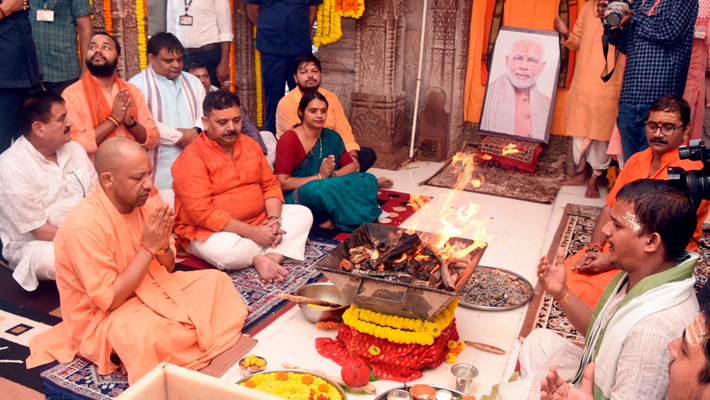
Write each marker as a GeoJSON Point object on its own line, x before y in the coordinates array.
{"type": "Point", "coordinates": [650, 12]}
{"type": "Point", "coordinates": [55, 4]}
{"type": "Point", "coordinates": [189, 3]}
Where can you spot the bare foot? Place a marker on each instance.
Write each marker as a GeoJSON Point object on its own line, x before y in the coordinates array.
{"type": "Point", "coordinates": [250, 309]}
{"type": "Point", "coordinates": [269, 270]}
{"type": "Point", "coordinates": [327, 225]}
{"type": "Point", "coordinates": [592, 190]}
{"type": "Point", "coordinates": [577, 180]}
{"type": "Point", "coordinates": [384, 183]}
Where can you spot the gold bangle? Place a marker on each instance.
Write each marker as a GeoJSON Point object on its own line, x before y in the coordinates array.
{"type": "Point", "coordinates": [113, 121]}
{"type": "Point", "coordinates": [319, 177]}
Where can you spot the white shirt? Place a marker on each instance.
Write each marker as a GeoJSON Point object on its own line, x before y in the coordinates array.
{"type": "Point", "coordinates": [211, 22]}
{"type": "Point", "coordinates": [34, 191]}
{"type": "Point", "coordinates": [176, 116]}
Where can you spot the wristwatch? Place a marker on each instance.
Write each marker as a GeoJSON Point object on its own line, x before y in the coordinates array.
{"type": "Point", "coordinates": [133, 124]}
{"type": "Point", "coordinates": [198, 129]}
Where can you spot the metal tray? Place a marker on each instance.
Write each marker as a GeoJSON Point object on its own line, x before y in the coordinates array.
{"type": "Point", "coordinates": [388, 297]}
{"type": "Point", "coordinates": [298, 371]}
{"type": "Point", "coordinates": [522, 280]}
{"type": "Point", "coordinates": [383, 396]}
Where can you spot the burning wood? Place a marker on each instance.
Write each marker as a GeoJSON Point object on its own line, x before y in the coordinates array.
{"type": "Point", "coordinates": [409, 260]}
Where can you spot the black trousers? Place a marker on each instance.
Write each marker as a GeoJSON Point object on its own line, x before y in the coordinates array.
{"type": "Point", "coordinates": [211, 59]}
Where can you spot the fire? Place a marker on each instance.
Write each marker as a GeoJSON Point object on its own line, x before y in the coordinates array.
{"type": "Point", "coordinates": [510, 149]}
{"type": "Point", "coordinates": [416, 202]}
{"type": "Point", "coordinates": [455, 221]}
{"type": "Point", "coordinates": [375, 255]}
{"type": "Point", "coordinates": [400, 259]}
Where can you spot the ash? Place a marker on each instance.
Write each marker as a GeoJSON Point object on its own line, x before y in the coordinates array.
{"type": "Point", "coordinates": [494, 288]}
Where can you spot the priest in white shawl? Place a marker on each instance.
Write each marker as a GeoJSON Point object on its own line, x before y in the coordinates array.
{"type": "Point", "coordinates": [513, 103]}
{"type": "Point", "coordinates": [175, 101]}
{"type": "Point", "coordinates": [645, 307]}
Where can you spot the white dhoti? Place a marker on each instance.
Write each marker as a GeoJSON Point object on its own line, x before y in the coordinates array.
{"type": "Point", "coordinates": [536, 355]}
{"type": "Point", "coordinates": [229, 251]}
{"type": "Point", "coordinates": [37, 263]}
{"type": "Point", "coordinates": [593, 152]}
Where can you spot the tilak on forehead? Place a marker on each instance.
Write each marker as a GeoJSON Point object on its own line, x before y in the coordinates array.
{"type": "Point", "coordinates": [697, 331]}
{"type": "Point", "coordinates": [633, 222]}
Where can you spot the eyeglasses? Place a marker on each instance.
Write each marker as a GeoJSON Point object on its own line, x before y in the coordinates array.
{"type": "Point", "coordinates": [666, 129]}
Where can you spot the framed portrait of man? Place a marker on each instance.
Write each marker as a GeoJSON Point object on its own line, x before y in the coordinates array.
{"type": "Point", "coordinates": [522, 84]}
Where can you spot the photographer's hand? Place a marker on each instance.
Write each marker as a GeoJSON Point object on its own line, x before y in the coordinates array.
{"type": "Point", "coordinates": [601, 9]}
{"type": "Point", "coordinates": [626, 20]}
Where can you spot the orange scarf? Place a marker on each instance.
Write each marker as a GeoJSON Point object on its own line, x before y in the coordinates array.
{"type": "Point", "coordinates": [98, 106]}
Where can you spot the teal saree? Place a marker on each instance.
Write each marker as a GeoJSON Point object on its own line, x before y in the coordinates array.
{"type": "Point", "coordinates": [348, 201]}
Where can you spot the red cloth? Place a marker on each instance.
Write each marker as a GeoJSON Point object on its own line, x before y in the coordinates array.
{"type": "Point", "coordinates": [290, 154]}
{"type": "Point", "coordinates": [397, 362]}
{"type": "Point", "coordinates": [524, 160]}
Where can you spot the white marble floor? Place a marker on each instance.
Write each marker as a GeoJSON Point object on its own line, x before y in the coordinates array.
{"type": "Point", "coordinates": [518, 232]}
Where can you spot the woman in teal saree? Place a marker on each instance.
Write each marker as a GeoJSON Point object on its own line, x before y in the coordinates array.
{"type": "Point", "coordinates": [316, 171]}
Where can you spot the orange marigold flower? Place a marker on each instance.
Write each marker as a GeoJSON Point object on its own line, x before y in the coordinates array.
{"type": "Point", "coordinates": [323, 388]}
{"type": "Point", "coordinates": [327, 325]}
{"type": "Point", "coordinates": [307, 379]}
{"type": "Point", "coordinates": [282, 376]}
{"type": "Point", "coordinates": [250, 384]}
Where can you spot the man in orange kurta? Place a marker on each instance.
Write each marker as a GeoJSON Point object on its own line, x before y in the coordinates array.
{"type": "Point", "coordinates": [229, 205]}
{"type": "Point", "coordinates": [307, 74]}
{"type": "Point", "coordinates": [114, 254]}
{"type": "Point", "coordinates": [588, 272]}
{"type": "Point", "coordinates": [102, 105]}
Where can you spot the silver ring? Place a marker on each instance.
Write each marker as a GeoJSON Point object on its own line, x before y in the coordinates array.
{"type": "Point", "coordinates": [124, 108]}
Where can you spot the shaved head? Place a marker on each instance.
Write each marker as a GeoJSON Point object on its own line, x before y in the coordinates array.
{"type": "Point", "coordinates": [124, 172]}
{"type": "Point", "coordinates": [112, 153]}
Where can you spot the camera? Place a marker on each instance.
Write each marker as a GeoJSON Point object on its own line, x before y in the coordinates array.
{"type": "Point", "coordinates": [695, 183]}
{"type": "Point", "coordinates": [615, 13]}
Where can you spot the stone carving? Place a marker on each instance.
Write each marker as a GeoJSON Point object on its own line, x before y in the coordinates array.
{"type": "Point", "coordinates": [244, 58]}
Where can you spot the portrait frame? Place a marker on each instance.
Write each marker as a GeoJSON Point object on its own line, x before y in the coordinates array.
{"type": "Point", "coordinates": [508, 86]}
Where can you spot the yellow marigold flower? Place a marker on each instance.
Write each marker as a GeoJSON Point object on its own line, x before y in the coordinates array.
{"type": "Point", "coordinates": [451, 344]}
{"type": "Point", "coordinates": [451, 358]}
{"type": "Point", "coordinates": [374, 351]}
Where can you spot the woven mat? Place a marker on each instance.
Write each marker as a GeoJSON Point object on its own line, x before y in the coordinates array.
{"type": "Point", "coordinates": [541, 187]}
{"type": "Point", "coordinates": [397, 205]}
{"type": "Point", "coordinates": [575, 232]}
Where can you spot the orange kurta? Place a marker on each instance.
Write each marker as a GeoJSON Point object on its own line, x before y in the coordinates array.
{"type": "Point", "coordinates": [83, 131]}
{"type": "Point", "coordinates": [590, 287]}
{"type": "Point", "coordinates": [287, 116]}
{"type": "Point", "coordinates": [210, 188]}
{"type": "Point", "coordinates": [185, 318]}
{"type": "Point", "coordinates": [592, 104]}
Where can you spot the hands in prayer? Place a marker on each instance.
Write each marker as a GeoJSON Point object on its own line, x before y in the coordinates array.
{"type": "Point", "coordinates": [593, 263]}
{"type": "Point", "coordinates": [121, 109]}
{"type": "Point", "coordinates": [553, 387]}
{"type": "Point", "coordinates": [553, 277]}
{"type": "Point", "coordinates": [159, 228]}
{"type": "Point", "coordinates": [269, 234]}
{"type": "Point", "coordinates": [327, 167]}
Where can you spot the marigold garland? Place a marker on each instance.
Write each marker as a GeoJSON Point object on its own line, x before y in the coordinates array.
{"type": "Point", "coordinates": [399, 329]}
{"type": "Point", "coordinates": [259, 88]}
{"type": "Point", "coordinates": [328, 29]}
{"type": "Point", "coordinates": [232, 68]}
{"type": "Point", "coordinates": [140, 19]}
{"type": "Point", "coordinates": [108, 19]}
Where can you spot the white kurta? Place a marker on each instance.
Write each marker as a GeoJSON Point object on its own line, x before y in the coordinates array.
{"type": "Point", "coordinates": [34, 191]}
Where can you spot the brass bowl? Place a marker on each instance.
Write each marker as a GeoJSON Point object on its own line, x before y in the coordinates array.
{"type": "Point", "coordinates": [322, 291]}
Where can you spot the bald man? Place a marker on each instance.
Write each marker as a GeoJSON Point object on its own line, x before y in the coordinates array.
{"type": "Point", "coordinates": [114, 257]}
{"type": "Point", "coordinates": [513, 103]}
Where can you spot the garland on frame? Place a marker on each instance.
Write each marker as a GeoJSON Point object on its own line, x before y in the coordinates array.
{"type": "Point", "coordinates": [330, 12]}
{"type": "Point", "coordinates": [108, 18]}
{"type": "Point", "coordinates": [259, 87]}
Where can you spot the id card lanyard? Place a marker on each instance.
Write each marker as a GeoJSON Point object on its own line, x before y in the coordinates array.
{"type": "Point", "coordinates": [46, 15]}
{"type": "Point", "coordinates": [186, 20]}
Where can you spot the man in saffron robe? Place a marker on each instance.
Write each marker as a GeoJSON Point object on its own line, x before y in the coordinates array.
{"type": "Point", "coordinates": [513, 104]}
{"type": "Point", "coordinates": [646, 306]}
{"type": "Point", "coordinates": [230, 209]}
{"type": "Point", "coordinates": [102, 105]}
{"type": "Point", "coordinates": [589, 271]}
{"type": "Point", "coordinates": [114, 254]}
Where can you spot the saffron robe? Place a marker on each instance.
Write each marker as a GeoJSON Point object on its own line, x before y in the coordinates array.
{"type": "Point", "coordinates": [184, 318]}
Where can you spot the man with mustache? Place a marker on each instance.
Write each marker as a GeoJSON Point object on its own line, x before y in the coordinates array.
{"type": "Point", "coordinates": [307, 73]}
{"type": "Point", "coordinates": [102, 105]}
{"type": "Point", "coordinates": [646, 306]}
{"type": "Point", "coordinates": [513, 104]}
{"type": "Point", "coordinates": [229, 205]}
{"type": "Point", "coordinates": [119, 295]}
{"type": "Point", "coordinates": [42, 177]}
{"type": "Point", "coordinates": [175, 101]}
{"type": "Point", "coordinates": [667, 126]}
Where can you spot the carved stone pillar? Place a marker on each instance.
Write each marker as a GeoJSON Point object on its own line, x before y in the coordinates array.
{"type": "Point", "coordinates": [378, 99]}
{"type": "Point", "coordinates": [244, 58]}
{"type": "Point", "coordinates": [446, 61]}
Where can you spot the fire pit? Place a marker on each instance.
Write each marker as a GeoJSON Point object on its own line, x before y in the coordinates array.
{"type": "Point", "coordinates": [398, 272]}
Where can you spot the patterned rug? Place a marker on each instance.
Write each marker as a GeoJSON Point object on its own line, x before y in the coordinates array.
{"type": "Point", "coordinates": [574, 233]}
{"type": "Point", "coordinates": [540, 187]}
{"type": "Point", "coordinates": [80, 379]}
{"type": "Point", "coordinates": [397, 204]}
